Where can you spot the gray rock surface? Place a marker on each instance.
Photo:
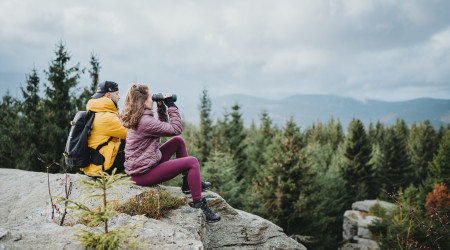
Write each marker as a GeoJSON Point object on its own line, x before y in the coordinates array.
{"type": "Point", "coordinates": [25, 219]}
{"type": "Point", "coordinates": [355, 226]}
{"type": "Point", "coordinates": [3, 232]}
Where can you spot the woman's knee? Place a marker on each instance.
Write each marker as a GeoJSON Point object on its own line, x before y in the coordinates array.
{"type": "Point", "coordinates": [192, 162]}
{"type": "Point", "coordinates": [178, 140]}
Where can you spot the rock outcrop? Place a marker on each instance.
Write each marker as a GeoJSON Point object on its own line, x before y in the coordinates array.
{"type": "Point", "coordinates": [356, 221]}
{"type": "Point", "coordinates": [25, 219]}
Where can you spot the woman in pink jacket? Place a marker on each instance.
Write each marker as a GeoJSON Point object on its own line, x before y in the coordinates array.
{"type": "Point", "coordinates": [148, 163]}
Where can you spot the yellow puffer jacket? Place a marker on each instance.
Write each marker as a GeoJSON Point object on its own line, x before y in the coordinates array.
{"type": "Point", "coordinates": [106, 124]}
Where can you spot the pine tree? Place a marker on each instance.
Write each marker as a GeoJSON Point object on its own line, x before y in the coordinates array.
{"type": "Point", "coordinates": [316, 134]}
{"type": "Point", "coordinates": [231, 139]}
{"type": "Point", "coordinates": [439, 168]}
{"type": "Point", "coordinates": [377, 161]}
{"type": "Point", "coordinates": [320, 147]}
{"type": "Point", "coordinates": [204, 142]}
{"type": "Point", "coordinates": [379, 133]}
{"type": "Point", "coordinates": [222, 133]}
{"type": "Point", "coordinates": [61, 105]}
{"type": "Point", "coordinates": [219, 170]}
{"type": "Point", "coordinates": [92, 236]}
{"type": "Point", "coordinates": [401, 129]}
{"type": "Point", "coordinates": [258, 141]}
{"type": "Point", "coordinates": [371, 133]}
{"type": "Point", "coordinates": [94, 72]}
{"type": "Point", "coordinates": [32, 112]}
{"type": "Point", "coordinates": [333, 201]}
{"type": "Point", "coordinates": [190, 135]}
{"type": "Point", "coordinates": [287, 189]}
{"type": "Point", "coordinates": [422, 148]}
{"type": "Point", "coordinates": [395, 163]}
{"type": "Point", "coordinates": [31, 95]}
{"type": "Point", "coordinates": [11, 148]}
{"type": "Point", "coordinates": [335, 133]}
{"type": "Point", "coordinates": [441, 132]}
{"type": "Point", "coordinates": [237, 139]}
{"type": "Point", "coordinates": [356, 170]}
{"type": "Point", "coordinates": [319, 156]}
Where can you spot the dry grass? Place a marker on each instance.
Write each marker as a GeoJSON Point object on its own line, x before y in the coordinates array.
{"type": "Point", "coordinates": [151, 203]}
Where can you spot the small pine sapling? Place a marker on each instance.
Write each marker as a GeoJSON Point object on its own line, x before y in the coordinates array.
{"type": "Point", "coordinates": [95, 237]}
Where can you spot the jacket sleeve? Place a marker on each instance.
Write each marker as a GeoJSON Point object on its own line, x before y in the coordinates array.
{"type": "Point", "coordinates": [158, 128]}
{"type": "Point", "coordinates": [115, 128]}
{"type": "Point", "coordinates": [162, 114]}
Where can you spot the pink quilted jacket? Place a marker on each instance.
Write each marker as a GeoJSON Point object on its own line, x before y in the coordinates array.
{"type": "Point", "coordinates": [142, 145]}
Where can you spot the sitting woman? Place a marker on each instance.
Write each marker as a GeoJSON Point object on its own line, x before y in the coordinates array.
{"type": "Point", "coordinates": [148, 163]}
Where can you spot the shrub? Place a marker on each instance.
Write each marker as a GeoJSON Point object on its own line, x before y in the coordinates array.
{"type": "Point", "coordinates": [406, 227]}
{"type": "Point", "coordinates": [378, 210]}
{"type": "Point", "coordinates": [438, 201]}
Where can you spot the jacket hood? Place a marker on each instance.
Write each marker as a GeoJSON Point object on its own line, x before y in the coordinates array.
{"type": "Point", "coordinates": [102, 104]}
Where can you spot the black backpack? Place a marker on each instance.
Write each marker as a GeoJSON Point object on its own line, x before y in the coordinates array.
{"type": "Point", "coordinates": [77, 152]}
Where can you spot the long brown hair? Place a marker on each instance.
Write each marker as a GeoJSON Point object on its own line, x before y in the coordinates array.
{"type": "Point", "coordinates": [133, 107]}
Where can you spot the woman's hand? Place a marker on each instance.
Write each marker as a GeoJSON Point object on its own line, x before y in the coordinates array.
{"type": "Point", "coordinates": [169, 102]}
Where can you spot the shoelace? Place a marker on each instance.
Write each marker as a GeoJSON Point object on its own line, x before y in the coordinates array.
{"type": "Point", "coordinates": [206, 209]}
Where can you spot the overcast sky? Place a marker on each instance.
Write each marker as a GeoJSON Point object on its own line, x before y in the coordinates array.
{"type": "Point", "coordinates": [384, 49]}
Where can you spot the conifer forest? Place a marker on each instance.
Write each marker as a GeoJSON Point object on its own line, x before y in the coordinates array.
{"type": "Point", "coordinates": [300, 179]}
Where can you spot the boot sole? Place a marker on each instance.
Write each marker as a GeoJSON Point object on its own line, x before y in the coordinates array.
{"type": "Point", "coordinates": [213, 221]}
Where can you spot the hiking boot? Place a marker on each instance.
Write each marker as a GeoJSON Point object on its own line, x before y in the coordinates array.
{"type": "Point", "coordinates": [185, 186]}
{"type": "Point", "coordinates": [203, 205]}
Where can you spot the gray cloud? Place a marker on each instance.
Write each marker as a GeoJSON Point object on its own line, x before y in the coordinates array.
{"type": "Point", "coordinates": [389, 50]}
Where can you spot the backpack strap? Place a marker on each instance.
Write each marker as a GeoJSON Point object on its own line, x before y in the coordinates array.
{"type": "Point", "coordinates": [103, 144]}
{"type": "Point", "coordinates": [96, 157]}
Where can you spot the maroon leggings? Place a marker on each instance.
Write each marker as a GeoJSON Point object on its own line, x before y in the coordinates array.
{"type": "Point", "coordinates": [168, 169]}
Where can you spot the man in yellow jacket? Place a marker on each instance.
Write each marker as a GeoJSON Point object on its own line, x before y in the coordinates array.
{"type": "Point", "coordinates": [107, 129]}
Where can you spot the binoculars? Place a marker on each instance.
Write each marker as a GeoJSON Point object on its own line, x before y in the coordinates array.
{"type": "Point", "coordinates": [158, 97]}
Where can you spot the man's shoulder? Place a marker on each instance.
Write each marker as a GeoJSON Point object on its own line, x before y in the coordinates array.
{"type": "Point", "coordinates": [102, 104]}
{"type": "Point", "coordinates": [105, 116]}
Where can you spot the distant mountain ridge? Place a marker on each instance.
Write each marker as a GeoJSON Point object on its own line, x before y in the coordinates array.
{"type": "Point", "coordinates": [309, 109]}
